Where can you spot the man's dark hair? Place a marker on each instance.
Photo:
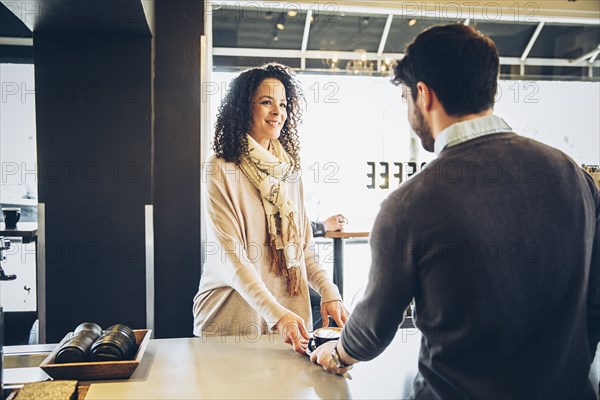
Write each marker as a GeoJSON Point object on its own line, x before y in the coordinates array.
{"type": "Point", "coordinates": [459, 63]}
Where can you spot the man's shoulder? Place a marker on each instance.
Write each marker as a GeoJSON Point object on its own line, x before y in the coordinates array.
{"type": "Point", "coordinates": [507, 139]}
{"type": "Point", "coordinates": [552, 156]}
{"type": "Point", "coordinates": [409, 195]}
{"type": "Point", "coordinates": [502, 149]}
{"type": "Point", "coordinates": [535, 145]}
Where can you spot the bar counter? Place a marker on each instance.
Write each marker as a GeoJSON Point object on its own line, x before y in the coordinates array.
{"type": "Point", "coordinates": [251, 368]}
{"type": "Point", "coordinates": [265, 368]}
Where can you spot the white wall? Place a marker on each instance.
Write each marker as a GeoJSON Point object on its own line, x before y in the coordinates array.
{"type": "Point", "coordinates": [17, 133]}
{"type": "Point", "coordinates": [18, 181]}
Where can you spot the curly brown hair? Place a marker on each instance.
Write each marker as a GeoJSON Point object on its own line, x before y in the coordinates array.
{"type": "Point", "coordinates": [234, 118]}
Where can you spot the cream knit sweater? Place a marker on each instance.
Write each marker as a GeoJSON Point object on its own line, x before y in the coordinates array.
{"type": "Point", "coordinates": [237, 294]}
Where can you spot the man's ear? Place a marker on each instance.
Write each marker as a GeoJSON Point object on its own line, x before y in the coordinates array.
{"type": "Point", "coordinates": [426, 96]}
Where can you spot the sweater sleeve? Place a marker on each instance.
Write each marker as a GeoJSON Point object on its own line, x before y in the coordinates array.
{"type": "Point", "coordinates": [238, 272]}
{"type": "Point", "coordinates": [318, 228]}
{"type": "Point", "coordinates": [375, 320]}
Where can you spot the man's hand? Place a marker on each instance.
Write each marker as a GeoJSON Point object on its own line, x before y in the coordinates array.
{"type": "Point", "coordinates": [292, 330]}
{"type": "Point", "coordinates": [337, 310]}
{"type": "Point", "coordinates": [322, 356]}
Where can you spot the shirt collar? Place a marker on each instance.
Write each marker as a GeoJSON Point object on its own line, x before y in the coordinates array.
{"type": "Point", "coordinates": [463, 131]}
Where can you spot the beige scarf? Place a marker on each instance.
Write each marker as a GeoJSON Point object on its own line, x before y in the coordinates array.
{"type": "Point", "coordinates": [268, 171]}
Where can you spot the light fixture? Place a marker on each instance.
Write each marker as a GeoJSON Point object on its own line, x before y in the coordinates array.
{"type": "Point", "coordinates": [332, 63]}
{"type": "Point", "coordinates": [385, 66]}
{"type": "Point", "coordinates": [280, 24]}
{"type": "Point", "coordinates": [292, 12]}
{"type": "Point", "coordinates": [360, 64]}
{"type": "Point", "coordinates": [412, 22]}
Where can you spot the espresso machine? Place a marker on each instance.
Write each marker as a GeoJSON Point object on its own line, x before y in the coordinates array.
{"type": "Point", "coordinates": [4, 245]}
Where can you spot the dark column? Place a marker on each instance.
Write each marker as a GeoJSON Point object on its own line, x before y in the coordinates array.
{"type": "Point", "coordinates": [93, 114]}
{"type": "Point", "coordinates": [179, 26]}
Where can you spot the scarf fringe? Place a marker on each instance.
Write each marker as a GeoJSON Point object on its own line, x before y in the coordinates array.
{"type": "Point", "coordinates": [278, 262]}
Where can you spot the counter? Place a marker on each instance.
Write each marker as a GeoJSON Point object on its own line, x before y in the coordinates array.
{"type": "Point", "coordinates": [233, 367]}
{"type": "Point", "coordinates": [237, 367]}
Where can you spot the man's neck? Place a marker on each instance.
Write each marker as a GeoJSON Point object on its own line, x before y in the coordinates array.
{"type": "Point", "coordinates": [441, 120]}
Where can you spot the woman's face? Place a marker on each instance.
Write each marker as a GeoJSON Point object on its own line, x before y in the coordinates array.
{"type": "Point", "coordinates": [268, 111]}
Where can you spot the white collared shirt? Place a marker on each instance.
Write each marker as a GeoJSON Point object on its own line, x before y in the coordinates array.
{"type": "Point", "coordinates": [463, 131]}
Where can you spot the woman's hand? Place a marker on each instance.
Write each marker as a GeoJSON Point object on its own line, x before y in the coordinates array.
{"type": "Point", "coordinates": [292, 330]}
{"type": "Point", "coordinates": [335, 223]}
{"type": "Point", "coordinates": [336, 310]}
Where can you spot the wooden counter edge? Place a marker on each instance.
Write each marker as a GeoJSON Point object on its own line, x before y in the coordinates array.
{"type": "Point", "coordinates": [345, 235]}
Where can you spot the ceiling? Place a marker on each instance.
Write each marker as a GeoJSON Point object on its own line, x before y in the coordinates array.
{"type": "Point", "coordinates": [536, 40]}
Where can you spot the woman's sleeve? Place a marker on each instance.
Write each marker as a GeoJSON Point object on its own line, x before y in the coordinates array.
{"type": "Point", "coordinates": [236, 268]}
{"type": "Point", "coordinates": [318, 229]}
{"type": "Point", "coordinates": [317, 276]}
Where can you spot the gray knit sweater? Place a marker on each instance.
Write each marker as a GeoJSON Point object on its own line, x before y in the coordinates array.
{"type": "Point", "coordinates": [498, 241]}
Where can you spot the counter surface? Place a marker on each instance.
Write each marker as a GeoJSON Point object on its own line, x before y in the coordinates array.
{"type": "Point", "coordinates": [237, 367]}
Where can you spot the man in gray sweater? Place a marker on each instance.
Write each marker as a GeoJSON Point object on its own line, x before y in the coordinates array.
{"type": "Point", "coordinates": [498, 241]}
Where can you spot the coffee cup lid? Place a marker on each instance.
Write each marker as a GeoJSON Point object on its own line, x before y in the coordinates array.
{"type": "Point", "coordinates": [328, 333]}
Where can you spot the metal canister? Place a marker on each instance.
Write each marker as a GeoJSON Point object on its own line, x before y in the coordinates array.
{"type": "Point", "coordinates": [91, 327]}
{"type": "Point", "coordinates": [126, 331]}
{"type": "Point", "coordinates": [76, 349]}
{"type": "Point", "coordinates": [111, 346]}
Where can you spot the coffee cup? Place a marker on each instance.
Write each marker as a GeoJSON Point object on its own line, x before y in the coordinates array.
{"type": "Point", "coordinates": [323, 335]}
{"type": "Point", "coordinates": [11, 216]}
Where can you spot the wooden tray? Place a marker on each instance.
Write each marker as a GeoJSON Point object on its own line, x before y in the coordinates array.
{"type": "Point", "coordinates": [97, 370]}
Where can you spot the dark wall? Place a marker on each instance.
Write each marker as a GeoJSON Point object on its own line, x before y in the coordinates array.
{"type": "Point", "coordinates": [13, 27]}
{"type": "Point", "coordinates": [110, 140]}
{"type": "Point", "coordinates": [93, 115]}
{"type": "Point", "coordinates": [16, 55]}
{"type": "Point", "coordinates": [177, 164]}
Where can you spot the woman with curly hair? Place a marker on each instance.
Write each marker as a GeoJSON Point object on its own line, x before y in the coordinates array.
{"type": "Point", "coordinates": [260, 252]}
